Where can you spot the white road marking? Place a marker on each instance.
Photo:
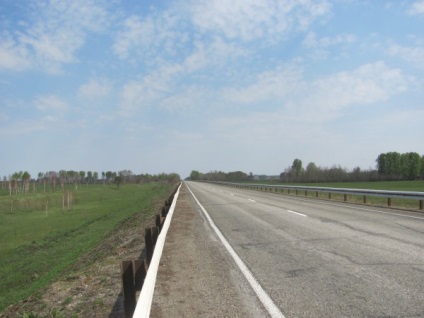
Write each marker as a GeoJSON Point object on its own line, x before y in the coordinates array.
{"type": "Point", "coordinates": [268, 303]}
{"type": "Point", "coordinates": [251, 200]}
{"type": "Point", "coordinates": [232, 194]}
{"type": "Point", "coordinates": [297, 213]}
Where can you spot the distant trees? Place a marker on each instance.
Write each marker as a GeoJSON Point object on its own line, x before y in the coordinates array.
{"type": "Point", "coordinates": [221, 176]}
{"type": "Point", "coordinates": [396, 166]}
{"type": "Point", "coordinates": [21, 182]}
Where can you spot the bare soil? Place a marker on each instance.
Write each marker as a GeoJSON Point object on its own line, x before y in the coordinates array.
{"type": "Point", "coordinates": [92, 286]}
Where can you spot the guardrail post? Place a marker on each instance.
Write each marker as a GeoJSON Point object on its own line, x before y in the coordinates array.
{"type": "Point", "coordinates": [306, 193]}
{"type": "Point", "coordinates": [421, 204]}
{"type": "Point", "coordinates": [155, 234]}
{"type": "Point", "coordinates": [149, 244]}
{"type": "Point", "coordinates": [345, 197]}
{"type": "Point", "coordinates": [389, 201]}
{"type": "Point", "coordinates": [365, 199]}
{"type": "Point", "coordinates": [329, 195]}
{"type": "Point", "coordinates": [316, 194]}
{"type": "Point", "coordinates": [139, 267]}
{"type": "Point", "coordinates": [128, 288]}
{"type": "Point", "coordinates": [296, 191]}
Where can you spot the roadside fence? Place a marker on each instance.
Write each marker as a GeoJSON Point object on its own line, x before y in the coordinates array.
{"type": "Point", "coordinates": [140, 274]}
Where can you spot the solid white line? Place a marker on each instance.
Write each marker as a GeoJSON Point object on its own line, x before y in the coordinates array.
{"type": "Point", "coordinates": [297, 213]}
{"type": "Point", "coordinates": [144, 304]}
{"type": "Point", "coordinates": [268, 303]}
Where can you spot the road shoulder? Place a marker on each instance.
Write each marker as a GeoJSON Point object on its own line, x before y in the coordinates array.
{"type": "Point", "coordinates": [196, 278]}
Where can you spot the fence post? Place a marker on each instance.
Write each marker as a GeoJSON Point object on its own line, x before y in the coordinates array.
{"type": "Point", "coordinates": [149, 244]}
{"type": "Point", "coordinates": [139, 267]}
{"type": "Point", "coordinates": [128, 288]}
{"type": "Point", "coordinates": [155, 234]}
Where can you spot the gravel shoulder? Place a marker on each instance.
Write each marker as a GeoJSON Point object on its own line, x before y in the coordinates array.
{"type": "Point", "coordinates": [196, 276]}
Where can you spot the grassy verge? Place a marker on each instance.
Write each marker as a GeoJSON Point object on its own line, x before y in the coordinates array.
{"type": "Point", "coordinates": [39, 243]}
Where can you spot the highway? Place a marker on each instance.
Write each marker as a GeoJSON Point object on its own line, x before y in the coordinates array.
{"type": "Point", "coordinates": [316, 258]}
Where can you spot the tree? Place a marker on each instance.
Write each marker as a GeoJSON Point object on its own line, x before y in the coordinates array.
{"type": "Point", "coordinates": [118, 181]}
{"type": "Point", "coordinates": [311, 172]}
{"type": "Point", "coordinates": [26, 178]}
{"type": "Point", "coordinates": [411, 165]}
{"type": "Point", "coordinates": [194, 175]}
{"type": "Point", "coordinates": [297, 167]}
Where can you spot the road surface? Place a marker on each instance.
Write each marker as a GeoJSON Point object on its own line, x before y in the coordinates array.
{"type": "Point", "coordinates": [316, 258]}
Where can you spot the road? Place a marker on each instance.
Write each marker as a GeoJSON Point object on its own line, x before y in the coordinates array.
{"type": "Point", "coordinates": [317, 258]}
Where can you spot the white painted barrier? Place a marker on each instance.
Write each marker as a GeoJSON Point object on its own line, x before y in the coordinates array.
{"type": "Point", "coordinates": [145, 299]}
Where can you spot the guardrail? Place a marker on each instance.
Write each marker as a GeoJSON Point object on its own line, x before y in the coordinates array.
{"type": "Point", "coordinates": [140, 274]}
{"type": "Point", "coordinates": [344, 191]}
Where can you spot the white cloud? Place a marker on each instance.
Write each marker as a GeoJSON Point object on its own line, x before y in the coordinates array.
{"type": "Point", "coordinates": [276, 84]}
{"type": "Point", "coordinates": [214, 53]}
{"type": "Point", "coordinates": [312, 41]}
{"type": "Point", "coordinates": [95, 89]}
{"type": "Point", "coordinates": [190, 98]}
{"type": "Point", "coordinates": [13, 57]}
{"type": "Point", "coordinates": [50, 103]}
{"type": "Point", "coordinates": [147, 92]}
{"type": "Point", "coordinates": [368, 84]}
{"type": "Point", "coordinates": [417, 8]}
{"type": "Point", "coordinates": [250, 20]}
{"type": "Point", "coordinates": [53, 34]}
{"type": "Point", "coordinates": [149, 36]}
{"type": "Point", "coordinates": [414, 55]}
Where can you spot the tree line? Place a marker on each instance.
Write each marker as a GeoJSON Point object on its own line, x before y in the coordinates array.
{"type": "Point", "coordinates": [21, 182]}
{"type": "Point", "coordinates": [389, 166]}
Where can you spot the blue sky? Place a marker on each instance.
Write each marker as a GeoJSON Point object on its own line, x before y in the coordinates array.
{"type": "Point", "coordinates": [175, 86]}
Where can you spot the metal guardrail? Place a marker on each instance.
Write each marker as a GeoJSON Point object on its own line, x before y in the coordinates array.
{"type": "Point", "coordinates": [345, 191]}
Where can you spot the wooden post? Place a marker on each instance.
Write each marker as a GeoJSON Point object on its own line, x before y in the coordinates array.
{"type": "Point", "coordinates": [316, 194]}
{"type": "Point", "coordinates": [128, 288]}
{"type": "Point", "coordinates": [389, 201]}
{"type": "Point", "coordinates": [155, 234]}
{"type": "Point", "coordinates": [365, 199]}
{"type": "Point", "coordinates": [421, 204]}
{"type": "Point", "coordinates": [139, 267]}
{"type": "Point", "coordinates": [306, 193]}
{"type": "Point", "coordinates": [149, 244]}
{"type": "Point", "coordinates": [345, 197]}
{"type": "Point", "coordinates": [329, 195]}
{"type": "Point", "coordinates": [158, 222]}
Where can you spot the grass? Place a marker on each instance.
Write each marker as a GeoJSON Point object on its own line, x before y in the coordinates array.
{"type": "Point", "coordinates": [38, 244]}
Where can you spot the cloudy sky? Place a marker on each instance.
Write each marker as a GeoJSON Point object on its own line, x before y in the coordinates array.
{"type": "Point", "coordinates": [175, 86]}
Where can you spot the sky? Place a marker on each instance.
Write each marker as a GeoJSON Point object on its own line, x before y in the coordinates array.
{"type": "Point", "coordinates": [175, 86]}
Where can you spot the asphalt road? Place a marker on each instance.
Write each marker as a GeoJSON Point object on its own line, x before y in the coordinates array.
{"type": "Point", "coordinates": [318, 258]}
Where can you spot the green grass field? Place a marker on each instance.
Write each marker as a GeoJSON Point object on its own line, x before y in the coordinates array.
{"type": "Point", "coordinates": [39, 239]}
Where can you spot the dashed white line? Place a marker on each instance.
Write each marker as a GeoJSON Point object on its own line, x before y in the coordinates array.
{"type": "Point", "coordinates": [251, 200]}
{"type": "Point", "coordinates": [301, 214]}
